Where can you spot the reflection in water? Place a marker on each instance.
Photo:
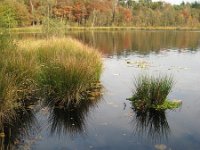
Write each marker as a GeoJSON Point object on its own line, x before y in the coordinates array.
{"type": "Point", "coordinates": [153, 124]}
{"type": "Point", "coordinates": [71, 119]}
{"type": "Point", "coordinates": [143, 42]}
{"type": "Point", "coordinates": [18, 129]}
{"type": "Point", "coordinates": [123, 43]}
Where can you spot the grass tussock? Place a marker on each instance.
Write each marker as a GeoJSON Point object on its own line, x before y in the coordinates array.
{"type": "Point", "coordinates": [17, 74]}
{"type": "Point", "coordinates": [152, 92]}
{"type": "Point", "coordinates": [61, 69]}
{"type": "Point", "coordinates": [67, 67]}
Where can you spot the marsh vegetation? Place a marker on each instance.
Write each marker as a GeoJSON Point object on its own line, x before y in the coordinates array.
{"type": "Point", "coordinates": [151, 92]}
{"type": "Point", "coordinates": [58, 69]}
{"type": "Point", "coordinates": [37, 69]}
{"type": "Point", "coordinates": [67, 68]}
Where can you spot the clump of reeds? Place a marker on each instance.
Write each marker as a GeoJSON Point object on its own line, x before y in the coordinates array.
{"type": "Point", "coordinates": [63, 69]}
{"type": "Point", "coordinates": [17, 81]}
{"type": "Point", "coordinates": [151, 91]}
{"type": "Point", "coordinates": [67, 67]}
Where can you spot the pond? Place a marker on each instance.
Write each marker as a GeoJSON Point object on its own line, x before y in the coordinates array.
{"type": "Point", "coordinates": [110, 122]}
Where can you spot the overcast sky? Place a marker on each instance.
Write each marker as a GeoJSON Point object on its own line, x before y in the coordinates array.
{"type": "Point", "coordinates": [176, 1]}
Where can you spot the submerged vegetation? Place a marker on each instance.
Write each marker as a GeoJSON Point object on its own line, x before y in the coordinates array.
{"type": "Point", "coordinates": [60, 69]}
{"type": "Point", "coordinates": [152, 92]}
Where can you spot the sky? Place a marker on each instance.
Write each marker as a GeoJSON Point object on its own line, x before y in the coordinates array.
{"type": "Point", "coordinates": [176, 1]}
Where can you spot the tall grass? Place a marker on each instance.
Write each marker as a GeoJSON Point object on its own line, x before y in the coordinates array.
{"type": "Point", "coordinates": [67, 68]}
{"type": "Point", "coordinates": [152, 91]}
{"type": "Point", "coordinates": [17, 85]}
{"type": "Point", "coordinates": [61, 69]}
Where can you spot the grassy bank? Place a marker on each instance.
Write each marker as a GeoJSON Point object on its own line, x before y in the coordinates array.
{"type": "Point", "coordinates": [38, 29]}
{"type": "Point", "coordinates": [61, 69]}
{"type": "Point", "coordinates": [30, 29]}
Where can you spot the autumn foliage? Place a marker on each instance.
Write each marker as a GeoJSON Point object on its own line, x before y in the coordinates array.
{"type": "Point", "coordinates": [101, 12]}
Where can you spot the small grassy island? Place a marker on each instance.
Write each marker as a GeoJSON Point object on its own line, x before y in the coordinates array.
{"type": "Point", "coordinates": [152, 92]}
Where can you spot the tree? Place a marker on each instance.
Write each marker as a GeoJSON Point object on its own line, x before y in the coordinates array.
{"type": "Point", "coordinates": [7, 16]}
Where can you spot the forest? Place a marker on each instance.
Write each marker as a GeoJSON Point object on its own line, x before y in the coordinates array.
{"type": "Point", "coordinates": [98, 13]}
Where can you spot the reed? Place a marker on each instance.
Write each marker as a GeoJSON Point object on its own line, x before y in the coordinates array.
{"type": "Point", "coordinates": [151, 91]}
{"type": "Point", "coordinates": [17, 81]}
{"type": "Point", "coordinates": [67, 67]}
{"type": "Point", "coordinates": [61, 69]}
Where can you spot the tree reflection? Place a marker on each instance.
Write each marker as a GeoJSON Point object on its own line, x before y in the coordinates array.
{"type": "Point", "coordinates": [152, 123]}
{"type": "Point", "coordinates": [124, 43]}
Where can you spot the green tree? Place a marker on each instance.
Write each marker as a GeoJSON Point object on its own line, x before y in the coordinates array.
{"type": "Point", "coordinates": [7, 16]}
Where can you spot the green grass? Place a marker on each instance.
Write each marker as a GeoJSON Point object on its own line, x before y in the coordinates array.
{"type": "Point", "coordinates": [167, 105]}
{"type": "Point", "coordinates": [61, 69]}
{"type": "Point", "coordinates": [152, 92]}
{"type": "Point", "coordinates": [67, 68]}
{"type": "Point", "coordinates": [17, 74]}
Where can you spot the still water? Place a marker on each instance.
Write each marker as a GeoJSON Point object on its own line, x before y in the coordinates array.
{"type": "Point", "coordinates": [110, 122]}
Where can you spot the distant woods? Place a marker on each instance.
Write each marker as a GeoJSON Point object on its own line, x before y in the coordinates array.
{"type": "Point", "coordinates": [20, 13]}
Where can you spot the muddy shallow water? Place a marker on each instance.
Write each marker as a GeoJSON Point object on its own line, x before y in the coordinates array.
{"type": "Point", "coordinates": [110, 122]}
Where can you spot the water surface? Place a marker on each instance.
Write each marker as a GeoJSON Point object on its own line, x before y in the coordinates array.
{"type": "Point", "coordinates": [110, 122]}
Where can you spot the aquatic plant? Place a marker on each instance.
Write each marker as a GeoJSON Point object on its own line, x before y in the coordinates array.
{"type": "Point", "coordinates": [152, 92]}
{"type": "Point", "coordinates": [17, 85]}
{"type": "Point", "coordinates": [67, 68]}
{"type": "Point", "coordinates": [60, 69]}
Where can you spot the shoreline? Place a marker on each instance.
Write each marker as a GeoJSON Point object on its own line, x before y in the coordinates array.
{"type": "Point", "coordinates": [38, 29]}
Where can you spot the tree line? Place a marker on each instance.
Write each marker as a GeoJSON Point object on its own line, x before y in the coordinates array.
{"type": "Point", "coordinates": [22, 13]}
